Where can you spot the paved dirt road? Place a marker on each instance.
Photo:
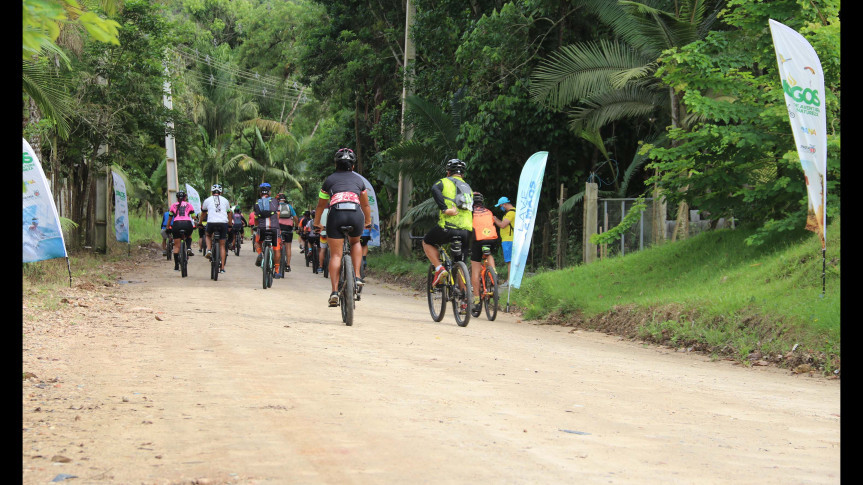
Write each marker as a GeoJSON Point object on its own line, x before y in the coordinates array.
{"type": "Point", "coordinates": [170, 380]}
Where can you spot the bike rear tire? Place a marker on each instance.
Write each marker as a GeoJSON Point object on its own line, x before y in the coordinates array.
{"type": "Point", "coordinates": [283, 259]}
{"type": "Point", "coordinates": [265, 265]}
{"type": "Point", "coordinates": [347, 283]}
{"type": "Point", "coordinates": [216, 262]}
{"type": "Point", "coordinates": [462, 297]}
{"type": "Point", "coordinates": [238, 241]}
{"type": "Point", "coordinates": [437, 297]}
{"type": "Point", "coordinates": [183, 258]}
{"type": "Point", "coordinates": [170, 245]}
{"type": "Point", "coordinates": [491, 296]}
{"type": "Point", "coordinates": [315, 260]}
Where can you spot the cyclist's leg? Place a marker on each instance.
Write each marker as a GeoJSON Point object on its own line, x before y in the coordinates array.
{"type": "Point", "coordinates": [277, 250]}
{"type": "Point", "coordinates": [475, 265]}
{"type": "Point", "coordinates": [335, 259]}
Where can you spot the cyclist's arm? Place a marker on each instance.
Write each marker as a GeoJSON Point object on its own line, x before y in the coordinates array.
{"type": "Point", "coordinates": [323, 201]}
{"type": "Point", "coordinates": [437, 195]}
{"type": "Point", "coordinates": [501, 223]}
{"type": "Point", "coordinates": [367, 209]}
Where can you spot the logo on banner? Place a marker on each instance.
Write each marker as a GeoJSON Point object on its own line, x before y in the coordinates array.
{"type": "Point", "coordinates": [528, 213]}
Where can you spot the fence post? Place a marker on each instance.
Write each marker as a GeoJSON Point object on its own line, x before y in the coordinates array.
{"type": "Point", "coordinates": [561, 234]}
{"type": "Point", "coordinates": [659, 210]}
{"type": "Point", "coordinates": [591, 193]}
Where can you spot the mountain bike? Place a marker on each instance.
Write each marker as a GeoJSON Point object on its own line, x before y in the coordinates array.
{"type": "Point", "coordinates": [455, 287]}
{"type": "Point", "coordinates": [183, 256]}
{"type": "Point", "coordinates": [347, 286]}
{"type": "Point", "coordinates": [488, 291]}
{"type": "Point", "coordinates": [313, 254]}
{"type": "Point", "coordinates": [267, 262]}
{"type": "Point", "coordinates": [327, 261]}
{"type": "Point", "coordinates": [238, 241]}
{"type": "Point", "coordinates": [170, 245]}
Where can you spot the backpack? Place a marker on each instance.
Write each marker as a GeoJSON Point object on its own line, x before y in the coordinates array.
{"type": "Point", "coordinates": [284, 210]}
{"type": "Point", "coordinates": [264, 210]}
{"type": "Point", "coordinates": [483, 225]}
{"type": "Point", "coordinates": [510, 227]}
{"type": "Point", "coordinates": [463, 194]}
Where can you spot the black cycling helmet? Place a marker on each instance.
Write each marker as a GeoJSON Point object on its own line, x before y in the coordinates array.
{"type": "Point", "coordinates": [181, 196]}
{"type": "Point", "coordinates": [478, 199]}
{"type": "Point", "coordinates": [345, 159]}
{"type": "Point", "coordinates": [455, 166]}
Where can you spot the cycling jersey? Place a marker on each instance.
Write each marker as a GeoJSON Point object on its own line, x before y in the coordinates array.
{"type": "Point", "coordinates": [217, 208]}
{"type": "Point", "coordinates": [181, 211]}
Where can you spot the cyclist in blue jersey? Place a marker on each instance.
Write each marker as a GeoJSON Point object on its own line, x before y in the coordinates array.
{"type": "Point", "coordinates": [166, 216]}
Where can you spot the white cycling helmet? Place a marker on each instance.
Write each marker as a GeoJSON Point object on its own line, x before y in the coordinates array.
{"type": "Point", "coordinates": [216, 188]}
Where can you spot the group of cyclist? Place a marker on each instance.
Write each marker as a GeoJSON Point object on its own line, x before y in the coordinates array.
{"type": "Point", "coordinates": [343, 201]}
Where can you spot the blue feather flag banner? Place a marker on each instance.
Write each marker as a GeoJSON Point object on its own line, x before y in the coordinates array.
{"type": "Point", "coordinates": [42, 236]}
{"type": "Point", "coordinates": [527, 201]}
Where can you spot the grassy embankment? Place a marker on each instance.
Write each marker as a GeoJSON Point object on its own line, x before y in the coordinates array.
{"type": "Point", "coordinates": [709, 293]}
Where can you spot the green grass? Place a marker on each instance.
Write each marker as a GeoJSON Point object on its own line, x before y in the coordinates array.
{"type": "Point", "coordinates": [710, 292]}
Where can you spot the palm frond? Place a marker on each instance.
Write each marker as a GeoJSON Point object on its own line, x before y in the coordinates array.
{"type": "Point", "coordinates": [46, 89]}
{"type": "Point", "coordinates": [630, 102]}
{"type": "Point", "coordinates": [581, 70]}
{"type": "Point", "coordinates": [423, 214]}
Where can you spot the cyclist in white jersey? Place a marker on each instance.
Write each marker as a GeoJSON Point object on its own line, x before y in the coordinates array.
{"type": "Point", "coordinates": [217, 210]}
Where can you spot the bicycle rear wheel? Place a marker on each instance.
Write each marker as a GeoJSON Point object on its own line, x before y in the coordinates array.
{"type": "Point", "coordinates": [238, 241]}
{"type": "Point", "coordinates": [283, 259]}
{"type": "Point", "coordinates": [216, 261]}
{"type": "Point", "coordinates": [462, 293]}
{"type": "Point", "coordinates": [437, 297]}
{"type": "Point", "coordinates": [346, 290]}
{"type": "Point", "coordinates": [265, 265]}
{"type": "Point", "coordinates": [315, 261]}
{"type": "Point", "coordinates": [491, 296]}
{"type": "Point", "coordinates": [184, 259]}
{"type": "Point", "coordinates": [170, 245]}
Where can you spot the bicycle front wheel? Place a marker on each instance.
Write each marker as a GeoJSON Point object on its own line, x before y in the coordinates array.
{"type": "Point", "coordinates": [462, 293]}
{"type": "Point", "coordinates": [437, 296]}
{"type": "Point", "coordinates": [346, 290]}
{"type": "Point", "coordinates": [491, 295]}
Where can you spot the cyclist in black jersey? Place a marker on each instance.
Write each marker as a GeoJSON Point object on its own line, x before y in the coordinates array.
{"type": "Point", "coordinates": [345, 195]}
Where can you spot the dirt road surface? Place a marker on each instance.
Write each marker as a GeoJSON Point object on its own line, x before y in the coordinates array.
{"type": "Point", "coordinates": [160, 379]}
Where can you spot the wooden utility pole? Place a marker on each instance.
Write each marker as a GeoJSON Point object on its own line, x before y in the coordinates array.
{"type": "Point", "coordinates": [170, 146]}
{"type": "Point", "coordinates": [403, 241]}
{"type": "Point", "coordinates": [591, 192]}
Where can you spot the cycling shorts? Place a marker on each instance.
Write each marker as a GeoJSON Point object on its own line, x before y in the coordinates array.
{"type": "Point", "coordinates": [337, 218]}
{"type": "Point", "coordinates": [185, 226]}
{"type": "Point", "coordinates": [277, 241]}
{"type": "Point", "coordinates": [287, 233]}
{"type": "Point", "coordinates": [439, 235]}
{"type": "Point", "coordinates": [221, 227]}
{"type": "Point", "coordinates": [476, 248]}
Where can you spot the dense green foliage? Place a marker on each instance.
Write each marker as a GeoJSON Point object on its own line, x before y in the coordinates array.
{"type": "Point", "coordinates": [267, 90]}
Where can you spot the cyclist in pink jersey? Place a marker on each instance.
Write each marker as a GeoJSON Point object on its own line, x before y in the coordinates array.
{"type": "Point", "coordinates": [180, 219]}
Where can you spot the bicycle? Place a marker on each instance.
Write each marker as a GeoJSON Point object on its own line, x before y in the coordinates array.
{"type": "Point", "coordinates": [238, 241]}
{"type": "Point", "coordinates": [267, 261]}
{"type": "Point", "coordinates": [170, 245]}
{"type": "Point", "coordinates": [313, 254]}
{"type": "Point", "coordinates": [456, 286]}
{"type": "Point", "coordinates": [183, 256]}
{"type": "Point", "coordinates": [347, 286]}
{"type": "Point", "coordinates": [327, 261]}
{"type": "Point", "coordinates": [488, 291]}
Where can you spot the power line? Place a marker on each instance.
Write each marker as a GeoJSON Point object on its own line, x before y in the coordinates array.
{"type": "Point", "coordinates": [270, 85]}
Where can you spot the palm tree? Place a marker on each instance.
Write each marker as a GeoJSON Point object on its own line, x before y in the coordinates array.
{"type": "Point", "coordinates": [280, 153]}
{"type": "Point", "coordinates": [606, 81]}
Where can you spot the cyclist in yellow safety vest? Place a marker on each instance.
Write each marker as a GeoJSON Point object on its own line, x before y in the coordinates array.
{"type": "Point", "coordinates": [456, 216]}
